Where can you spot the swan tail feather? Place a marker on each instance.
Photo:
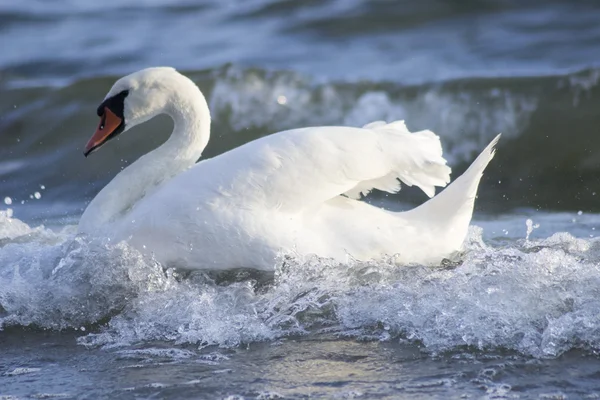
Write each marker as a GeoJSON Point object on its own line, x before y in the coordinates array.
{"type": "Point", "coordinates": [453, 207]}
{"type": "Point", "coordinates": [416, 160]}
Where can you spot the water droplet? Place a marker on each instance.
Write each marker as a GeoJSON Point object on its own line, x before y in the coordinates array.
{"type": "Point", "coordinates": [530, 227]}
{"type": "Point", "coordinates": [7, 201]}
{"type": "Point", "coordinates": [281, 99]}
{"type": "Point", "coordinates": [579, 212]}
{"type": "Point", "coordinates": [37, 195]}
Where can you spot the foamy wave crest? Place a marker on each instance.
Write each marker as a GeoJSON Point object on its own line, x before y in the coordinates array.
{"type": "Point", "coordinates": [11, 228]}
{"type": "Point", "coordinates": [524, 299]}
{"type": "Point", "coordinates": [59, 281]}
{"type": "Point", "coordinates": [537, 297]}
{"type": "Point", "coordinates": [465, 119]}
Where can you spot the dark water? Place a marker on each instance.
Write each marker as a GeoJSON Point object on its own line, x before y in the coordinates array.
{"type": "Point", "coordinates": [516, 318]}
{"type": "Point", "coordinates": [319, 367]}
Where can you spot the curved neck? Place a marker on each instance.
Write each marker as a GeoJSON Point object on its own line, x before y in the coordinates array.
{"type": "Point", "coordinates": [191, 132]}
{"type": "Point", "coordinates": [184, 147]}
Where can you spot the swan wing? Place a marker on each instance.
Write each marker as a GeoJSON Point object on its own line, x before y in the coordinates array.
{"type": "Point", "coordinates": [300, 168]}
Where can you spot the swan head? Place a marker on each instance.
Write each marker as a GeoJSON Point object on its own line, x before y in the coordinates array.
{"type": "Point", "coordinates": [134, 99]}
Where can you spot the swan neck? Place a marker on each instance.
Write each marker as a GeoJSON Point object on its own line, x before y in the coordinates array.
{"type": "Point", "coordinates": [191, 131]}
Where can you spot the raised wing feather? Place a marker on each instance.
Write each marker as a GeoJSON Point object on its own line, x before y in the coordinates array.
{"type": "Point", "coordinates": [296, 169]}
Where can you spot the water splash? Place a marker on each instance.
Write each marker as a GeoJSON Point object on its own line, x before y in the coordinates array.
{"type": "Point", "coordinates": [530, 228]}
{"type": "Point", "coordinates": [535, 296]}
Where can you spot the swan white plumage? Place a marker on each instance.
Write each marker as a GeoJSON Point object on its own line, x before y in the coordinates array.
{"type": "Point", "coordinates": [280, 193]}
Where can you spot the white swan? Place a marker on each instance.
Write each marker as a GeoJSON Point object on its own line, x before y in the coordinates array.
{"type": "Point", "coordinates": [280, 193]}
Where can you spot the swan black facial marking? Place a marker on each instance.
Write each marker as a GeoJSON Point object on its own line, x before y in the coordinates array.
{"type": "Point", "coordinates": [115, 103]}
{"type": "Point", "coordinates": [111, 113]}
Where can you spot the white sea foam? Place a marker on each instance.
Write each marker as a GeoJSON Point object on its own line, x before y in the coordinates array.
{"type": "Point", "coordinates": [21, 371]}
{"type": "Point", "coordinates": [536, 296]}
{"type": "Point", "coordinates": [466, 121]}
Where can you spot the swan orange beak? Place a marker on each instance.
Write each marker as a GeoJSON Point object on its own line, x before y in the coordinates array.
{"type": "Point", "coordinates": [110, 126]}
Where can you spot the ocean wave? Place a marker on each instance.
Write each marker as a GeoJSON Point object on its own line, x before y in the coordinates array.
{"type": "Point", "coordinates": [538, 297]}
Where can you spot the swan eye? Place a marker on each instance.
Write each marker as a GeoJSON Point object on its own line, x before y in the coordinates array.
{"type": "Point", "coordinates": [102, 121]}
